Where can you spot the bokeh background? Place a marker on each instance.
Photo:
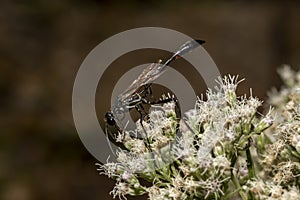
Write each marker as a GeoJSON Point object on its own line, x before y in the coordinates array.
{"type": "Point", "coordinates": [42, 44]}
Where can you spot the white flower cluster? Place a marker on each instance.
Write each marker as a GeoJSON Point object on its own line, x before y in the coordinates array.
{"type": "Point", "coordinates": [268, 190]}
{"type": "Point", "coordinates": [288, 94]}
{"type": "Point", "coordinates": [207, 154]}
{"type": "Point", "coordinates": [280, 154]}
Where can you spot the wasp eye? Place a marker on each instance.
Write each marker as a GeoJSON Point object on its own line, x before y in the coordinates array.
{"type": "Point", "coordinates": [109, 118]}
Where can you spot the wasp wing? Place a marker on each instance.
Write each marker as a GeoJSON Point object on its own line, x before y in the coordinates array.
{"type": "Point", "coordinates": [154, 70]}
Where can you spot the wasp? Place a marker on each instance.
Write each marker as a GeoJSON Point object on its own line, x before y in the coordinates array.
{"type": "Point", "coordinates": [133, 98]}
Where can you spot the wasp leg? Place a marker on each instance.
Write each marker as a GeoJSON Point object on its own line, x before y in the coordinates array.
{"type": "Point", "coordinates": [147, 90]}
{"type": "Point", "coordinates": [167, 99]}
{"type": "Point", "coordinates": [188, 126]}
{"type": "Point", "coordinates": [108, 140]}
{"type": "Point", "coordinates": [140, 110]}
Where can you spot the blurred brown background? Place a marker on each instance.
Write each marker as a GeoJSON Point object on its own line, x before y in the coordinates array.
{"type": "Point", "coordinates": [42, 44]}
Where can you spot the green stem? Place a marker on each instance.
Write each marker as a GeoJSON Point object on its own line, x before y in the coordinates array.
{"type": "Point", "coordinates": [238, 186]}
{"type": "Point", "coordinates": [234, 179]}
{"type": "Point", "coordinates": [245, 139]}
{"type": "Point", "coordinates": [250, 164]}
{"type": "Point", "coordinates": [229, 196]}
{"type": "Point", "coordinates": [293, 151]}
{"type": "Point", "coordinates": [251, 170]}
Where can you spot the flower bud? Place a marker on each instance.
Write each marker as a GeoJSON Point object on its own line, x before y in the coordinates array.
{"type": "Point", "coordinates": [265, 123]}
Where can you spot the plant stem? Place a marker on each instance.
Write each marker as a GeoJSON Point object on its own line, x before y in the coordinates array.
{"type": "Point", "coordinates": [238, 186]}
{"type": "Point", "coordinates": [250, 164]}
{"type": "Point", "coordinates": [234, 179]}
{"type": "Point", "coordinates": [251, 170]}
{"type": "Point", "coordinates": [230, 195]}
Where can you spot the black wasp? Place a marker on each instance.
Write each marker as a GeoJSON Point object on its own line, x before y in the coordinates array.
{"type": "Point", "coordinates": [131, 98]}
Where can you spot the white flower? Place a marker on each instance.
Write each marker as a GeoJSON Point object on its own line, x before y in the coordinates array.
{"type": "Point", "coordinates": [292, 194]}
{"type": "Point", "coordinates": [120, 190]}
{"type": "Point", "coordinates": [287, 74]}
